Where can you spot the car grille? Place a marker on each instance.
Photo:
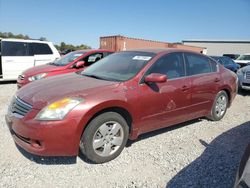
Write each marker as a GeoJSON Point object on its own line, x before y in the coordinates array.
{"type": "Point", "coordinates": [248, 75]}
{"type": "Point", "coordinates": [19, 107]}
{"type": "Point", "coordinates": [21, 77]}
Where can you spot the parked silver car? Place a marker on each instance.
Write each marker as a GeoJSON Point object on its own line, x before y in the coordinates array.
{"type": "Point", "coordinates": [244, 77]}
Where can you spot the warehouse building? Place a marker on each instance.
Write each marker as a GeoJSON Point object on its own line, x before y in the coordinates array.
{"type": "Point", "coordinates": [122, 43]}
{"type": "Point", "coordinates": [220, 47]}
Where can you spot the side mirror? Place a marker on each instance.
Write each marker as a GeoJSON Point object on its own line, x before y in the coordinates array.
{"type": "Point", "coordinates": [156, 78]}
{"type": "Point", "coordinates": [79, 64]}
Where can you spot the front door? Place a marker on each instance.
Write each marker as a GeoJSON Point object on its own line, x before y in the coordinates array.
{"type": "Point", "coordinates": [43, 53]}
{"type": "Point", "coordinates": [165, 104]}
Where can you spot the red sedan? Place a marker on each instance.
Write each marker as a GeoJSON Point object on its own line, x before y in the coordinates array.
{"type": "Point", "coordinates": [72, 62]}
{"type": "Point", "coordinates": [118, 98]}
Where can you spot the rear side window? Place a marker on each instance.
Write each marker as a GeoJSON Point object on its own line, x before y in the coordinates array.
{"type": "Point", "coordinates": [197, 64]}
{"type": "Point", "coordinates": [15, 48]}
{"type": "Point", "coordinates": [171, 65]}
{"type": "Point", "coordinates": [41, 49]}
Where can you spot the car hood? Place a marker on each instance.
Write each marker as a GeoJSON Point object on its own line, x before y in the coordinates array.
{"type": "Point", "coordinates": [41, 69]}
{"type": "Point", "coordinates": [43, 92]}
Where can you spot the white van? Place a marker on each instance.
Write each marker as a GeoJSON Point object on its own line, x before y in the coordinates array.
{"type": "Point", "coordinates": [17, 55]}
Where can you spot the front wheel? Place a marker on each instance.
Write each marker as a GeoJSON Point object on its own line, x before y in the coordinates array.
{"type": "Point", "coordinates": [219, 107]}
{"type": "Point", "coordinates": [105, 137]}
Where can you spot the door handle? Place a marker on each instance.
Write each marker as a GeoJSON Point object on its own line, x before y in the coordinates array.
{"type": "Point", "coordinates": [185, 88]}
{"type": "Point", "coordinates": [216, 80]}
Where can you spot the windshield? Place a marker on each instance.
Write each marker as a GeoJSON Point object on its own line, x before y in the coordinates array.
{"type": "Point", "coordinates": [65, 60]}
{"type": "Point", "coordinates": [119, 66]}
{"type": "Point", "coordinates": [244, 57]}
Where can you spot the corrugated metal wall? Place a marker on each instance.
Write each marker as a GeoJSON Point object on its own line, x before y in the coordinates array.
{"type": "Point", "coordinates": [121, 43]}
{"type": "Point", "coordinates": [220, 48]}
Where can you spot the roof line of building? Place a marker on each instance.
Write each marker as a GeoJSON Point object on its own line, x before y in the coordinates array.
{"type": "Point", "coordinates": [135, 38]}
{"type": "Point", "coordinates": [216, 41]}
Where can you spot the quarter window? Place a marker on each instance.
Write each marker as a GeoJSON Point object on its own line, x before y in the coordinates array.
{"type": "Point", "coordinates": [41, 49]}
{"type": "Point", "coordinates": [197, 64]}
{"type": "Point", "coordinates": [171, 65]}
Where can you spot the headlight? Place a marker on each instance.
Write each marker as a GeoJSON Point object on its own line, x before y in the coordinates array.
{"type": "Point", "coordinates": [37, 77]}
{"type": "Point", "coordinates": [59, 109]}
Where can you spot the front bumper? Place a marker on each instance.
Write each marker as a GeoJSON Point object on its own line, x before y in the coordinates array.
{"type": "Point", "coordinates": [46, 138]}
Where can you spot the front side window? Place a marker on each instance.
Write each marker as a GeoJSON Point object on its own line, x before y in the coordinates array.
{"type": "Point", "coordinates": [197, 64]}
{"type": "Point", "coordinates": [0, 47]}
{"type": "Point", "coordinates": [92, 59]}
{"type": "Point", "coordinates": [172, 65]}
{"type": "Point", "coordinates": [41, 49]}
{"type": "Point", "coordinates": [10, 48]}
{"type": "Point", "coordinates": [119, 66]}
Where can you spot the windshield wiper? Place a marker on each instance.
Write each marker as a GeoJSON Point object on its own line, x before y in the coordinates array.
{"type": "Point", "coordinates": [93, 76]}
{"type": "Point", "coordinates": [98, 77]}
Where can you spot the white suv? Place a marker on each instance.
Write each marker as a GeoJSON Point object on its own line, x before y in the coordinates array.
{"type": "Point", "coordinates": [243, 60]}
{"type": "Point", "coordinates": [17, 55]}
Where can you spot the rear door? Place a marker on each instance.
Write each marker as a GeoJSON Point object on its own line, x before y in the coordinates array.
{"type": "Point", "coordinates": [43, 53]}
{"type": "Point", "coordinates": [16, 58]}
{"type": "Point", "coordinates": [204, 76]}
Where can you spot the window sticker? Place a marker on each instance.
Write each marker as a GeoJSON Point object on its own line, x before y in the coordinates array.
{"type": "Point", "coordinates": [142, 58]}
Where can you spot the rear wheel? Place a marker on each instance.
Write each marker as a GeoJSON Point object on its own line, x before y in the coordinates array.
{"type": "Point", "coordinates": [219, 107]}
{"type": "Point", "coordinates": [105, 137]}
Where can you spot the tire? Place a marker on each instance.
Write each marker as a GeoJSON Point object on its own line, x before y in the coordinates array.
{"type": "Point", "coordinates": [219, 107]}
{"type": "Point", "coordinates": [104, 137]}
{"type": "Point", "coordinates": [239, 89]}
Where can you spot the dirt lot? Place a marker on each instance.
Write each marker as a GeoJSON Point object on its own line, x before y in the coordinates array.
{"type": "Point", "coordinates": [199, 153]}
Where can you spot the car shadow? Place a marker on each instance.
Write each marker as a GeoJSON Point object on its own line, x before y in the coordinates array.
{"type": "Point", "coordinates": [244, 92]}
{"type": "Point", "coordinates": [47, 160]}
{"type": "Point", "coordinates": [161, 131]}
{"type": "Point", "coordinates": [7, 82]}
{"type": "Point", "coordinates": [217, 165]}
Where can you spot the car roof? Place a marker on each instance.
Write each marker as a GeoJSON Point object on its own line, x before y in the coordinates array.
{"type": "Point", "coordinates": [160, 50]}
{"type": "Point", "coordinates": [94, 50]}
{"type": "Point", "coordinates": [215, 56]}
{"type": "Point", "coordinates": [23, 40]}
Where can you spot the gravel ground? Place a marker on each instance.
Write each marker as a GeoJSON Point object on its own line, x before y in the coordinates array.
{"type": "Point", "coordinates": [198, 153]}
